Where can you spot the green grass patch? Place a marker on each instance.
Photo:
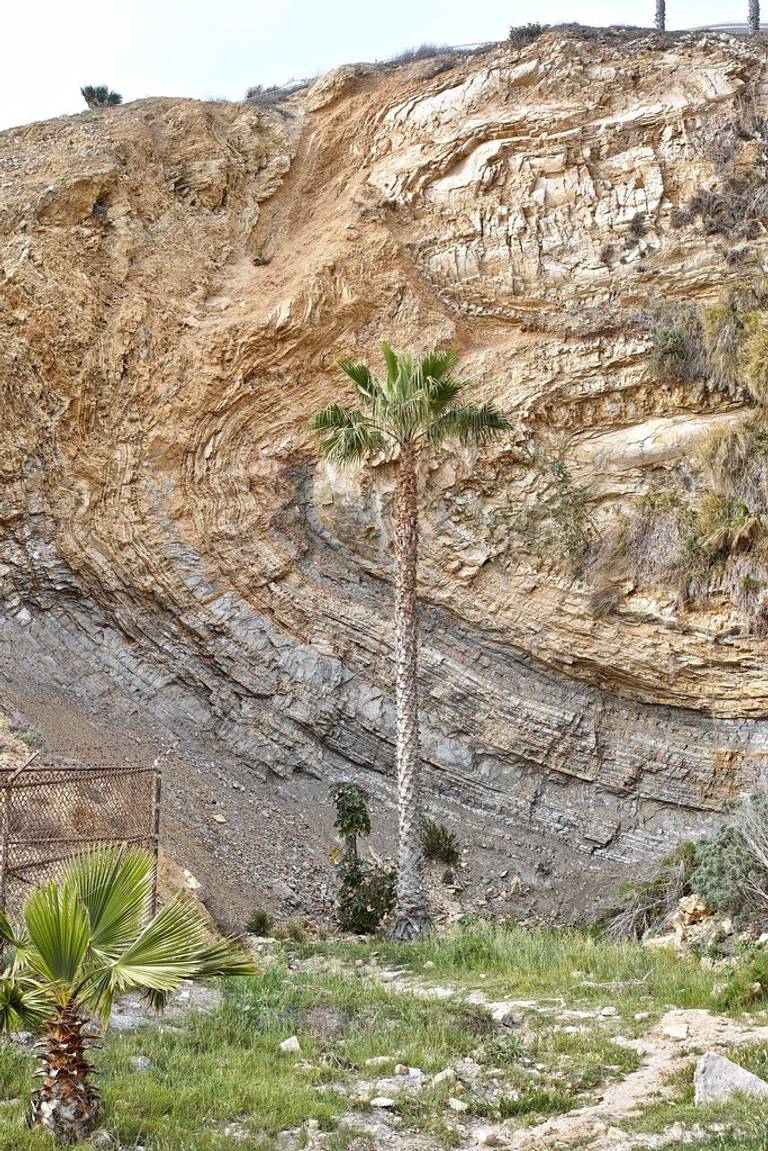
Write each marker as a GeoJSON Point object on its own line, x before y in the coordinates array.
{"type": "Point", "coordinates": [569, 964]}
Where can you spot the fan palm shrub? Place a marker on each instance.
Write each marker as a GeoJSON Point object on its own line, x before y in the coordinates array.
{"type": "Point", "coordinates": [82, 942]}
{"type": "Point", "coordinates": [407, 414]}
{"type": "Point", "coordinates": [100, 96]}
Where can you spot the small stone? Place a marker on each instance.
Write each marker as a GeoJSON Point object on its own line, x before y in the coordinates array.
{"type": "Point", "coordinates": [382, 1102]}
{"type": "Point", "coordinates": [219, 818]}
{"type": "Point", "coordinates": [102, 1139]}
{"type": "Point", "coordinates": [359, 963]}
{"type": "Point", "coordinates": [609, 1012]}
{"type": "Point", "coordinates": [446, 1076]}
{"type": "Point", "coordinates": [487, 1137]}
{"type": "Point", "coordinates": [401, 1069]}
{"type": "Point", "coordinates": [313, 1124]}
{"type": "Point", "coordinates": [378, 1061]}
{"type": "Point", "coordinates": [291, 1044]}
{"type": "Point", "coordinates": [457, 1105]}
{"type": "Point", "coordinates": [641, 1015]}
{"type": "Point", "coordinates": [428, 965]}
{"type": "Point", "coordinates": [675, 1031]}
{"type": "Point", "coordinates": [141, 1062]}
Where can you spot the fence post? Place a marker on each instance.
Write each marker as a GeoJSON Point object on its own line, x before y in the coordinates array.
{"type": "Point", "coordinates": [5, 831]}
{"type": "Point", "coordinates": [156, 797]}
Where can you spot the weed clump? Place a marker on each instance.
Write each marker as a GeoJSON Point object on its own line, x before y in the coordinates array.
{"type": "Point", "coordinates": [557, 528]}
{"type": "Point", "coordinates": [260, 923]}
{"type": "Point", "coordinates": [439, 842]}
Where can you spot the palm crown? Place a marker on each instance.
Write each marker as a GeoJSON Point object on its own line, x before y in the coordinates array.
{"type": "Point", "coordinates": [417, 401]}
{"type": "Point", "coordinates": [89, 938]}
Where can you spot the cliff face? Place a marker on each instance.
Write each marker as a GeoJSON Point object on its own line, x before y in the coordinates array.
{"type": "Point", "coordinates": [177, 280]}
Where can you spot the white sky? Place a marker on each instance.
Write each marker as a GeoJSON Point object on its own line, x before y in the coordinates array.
{"type": "Point", "coordinates": [206, 48]}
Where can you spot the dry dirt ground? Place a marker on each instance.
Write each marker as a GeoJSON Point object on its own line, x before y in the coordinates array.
{"type": "Point", "coordinates": [253, 842]}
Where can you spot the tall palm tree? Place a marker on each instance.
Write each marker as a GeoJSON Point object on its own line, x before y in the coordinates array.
{"type": "Point", "coordinates": [408, 413]}
{"type": "Point", "coordinates": [82, 942]}
{"type": "Point", "coordinates": [661, 15]}
{"type": "Point", "coordinates": [753, 18]}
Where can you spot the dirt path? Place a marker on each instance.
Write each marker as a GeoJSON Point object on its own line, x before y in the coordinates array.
{"type": "Point", "coordinates": [676, 1038]}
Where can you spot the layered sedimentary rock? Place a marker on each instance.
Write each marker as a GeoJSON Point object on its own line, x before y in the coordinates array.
{"type": "Point", "coordinates": [176, 282]}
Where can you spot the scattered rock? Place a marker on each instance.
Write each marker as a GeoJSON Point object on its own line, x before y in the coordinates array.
{"type": "Point", "coordinates": [716, 1079]}
{"type": "Point", "coordinates": [457, 1104]}
{"type": "Point", "coordinates": [379, 1061]}
{"type": "Point", "coordinates": [675, 1031]}
{"type": "Point", "coordinates": [446, 1076]}
{"type": "Point", "coordinates": [609, 1012]}
{"type": "Point", "coordinates": [382, 1102]}
{"type": "Point", "coordinates": [291, 1044]}
{"type": "Point", "coordinates": [102, 1139]}
{"type": "Point", "coordinates": [140, 1062]}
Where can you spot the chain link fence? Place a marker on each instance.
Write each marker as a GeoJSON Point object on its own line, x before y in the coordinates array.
{"type": "Point", "coordinates": [50, 812]}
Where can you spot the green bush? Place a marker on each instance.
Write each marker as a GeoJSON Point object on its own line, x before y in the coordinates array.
{"type": "Point", "coordinates": [439, 843]}
{"type": "Point", "coordinates": [730, 872]}
{"type": "Point", "coordinates": [366, 892]}
{"type": "Point", "coordinates": [260, 923]}
{"type": "Point", "coordinates": [523, 34]}
{"type": "Point", "coordinates": [366, 896]}
{"type": "Point", "coordinates": [747, 983]}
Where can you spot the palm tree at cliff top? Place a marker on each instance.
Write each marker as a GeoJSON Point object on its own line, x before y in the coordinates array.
{"type": "Point", "coordinates": [409, 413]}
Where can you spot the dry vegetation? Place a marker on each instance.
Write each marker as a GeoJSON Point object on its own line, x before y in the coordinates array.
{"type": "Point", "coordinates": [701, 534]}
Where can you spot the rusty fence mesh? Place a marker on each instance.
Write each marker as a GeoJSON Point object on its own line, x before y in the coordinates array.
{"type": "Point", "coordinates": [50, 812]}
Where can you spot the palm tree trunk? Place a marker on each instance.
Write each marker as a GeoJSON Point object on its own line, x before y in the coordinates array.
{"type": "Point", "coordinates": [754, 17]}
{"type": "Point", "coordinates": [411, 915]}
{"type": "Point", "coordinates": [661, 15]}
{"type": "Point", "coordinates": [66, 1105]}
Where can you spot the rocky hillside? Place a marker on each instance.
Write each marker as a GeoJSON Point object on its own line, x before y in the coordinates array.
{"type": "Point", "coordinates": [177, 280]}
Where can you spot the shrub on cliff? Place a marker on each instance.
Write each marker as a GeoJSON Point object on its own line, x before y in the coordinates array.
{"type": "Point", "coordinates": [523, 34]}
{"type": "Point", "coordinates": [439, 842]}
{"type": "Point", "coordinates": [100, 96]}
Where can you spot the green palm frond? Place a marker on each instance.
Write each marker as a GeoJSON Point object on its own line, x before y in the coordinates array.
{"type": "Point", "coordinates": [175, 946]}
{"type": "Point", "coordinates": [59, 934]}
{"type": "Point", "coordinates": [391, 359]}
{"type": "Point", "coordinates": [8, 934]}
{"type": "Point", "coordinates": [351, 437]}
{"type": "Point", "coordinates": [469, 424]}
{"type": "Point", "coordinates": [439, 363]}
{"type": "Point", "coordinates": [115, 886]}
{"type": "Point", "coordinates": [163, 954]}
{"type": "Point", "coordinates": [23, 1006]}
{"type": "Point", "coordinates": [223, 957]}
{"type": "Point", "coordinates": [366, 385]}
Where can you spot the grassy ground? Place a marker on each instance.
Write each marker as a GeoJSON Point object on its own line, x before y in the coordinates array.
{"type": "Point", "coordinates": [221, 1076]}
{"type": "Point", "coordinates": [562, 964]}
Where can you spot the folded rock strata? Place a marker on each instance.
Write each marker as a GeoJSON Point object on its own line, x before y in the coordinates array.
{"type": "Point", "coordinates": [177, 280]}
